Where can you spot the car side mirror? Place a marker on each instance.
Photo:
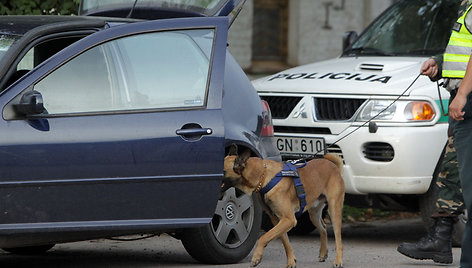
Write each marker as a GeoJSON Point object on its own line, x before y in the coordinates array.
{"type": "Point", "coordinates": [348, 38]}
{"type": "Point", "coordinates": [30, 103]}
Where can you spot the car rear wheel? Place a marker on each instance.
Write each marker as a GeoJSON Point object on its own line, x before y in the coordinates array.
{"type": "Point", "coordinates": [31, 250]}
{"type": "Point", "coordinates": [231, 234]}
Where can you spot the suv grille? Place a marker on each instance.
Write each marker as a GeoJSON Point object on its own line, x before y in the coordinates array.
{"type": "Point", "coordinates": [302, 130]}
{"type": "Point", "coordinates": [334, 149]}
{"type": "Point", "coordinates": [379, 151]}
{"type": "Point", "coordinates": [281, 106]}
{"type": "Point", "coordinates": [336, 109]}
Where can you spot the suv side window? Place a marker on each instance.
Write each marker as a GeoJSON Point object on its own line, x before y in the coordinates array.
{"type": "Point", "coordinates": [163, 70]}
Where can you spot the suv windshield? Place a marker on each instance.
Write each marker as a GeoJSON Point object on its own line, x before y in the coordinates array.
{"type": "Point", "coordinates": [410, 27]}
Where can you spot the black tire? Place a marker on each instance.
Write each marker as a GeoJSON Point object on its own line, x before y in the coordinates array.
{"type": "Point", "coordinates": [458, 230]}
{"type": "Point", "coordinates": [266, 224]}
{"type": "Point", "coordinates": [304, 225]}
{"type": "Point", "coordinates": [427, 203]}
{"type": "Point", "coordinates": [231, 234]}
{"type": "Point", "coordinates": [30, 250]}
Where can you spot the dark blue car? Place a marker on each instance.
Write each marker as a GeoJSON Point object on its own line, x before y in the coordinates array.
{"type": "Point", "coordinates": [115, 126]}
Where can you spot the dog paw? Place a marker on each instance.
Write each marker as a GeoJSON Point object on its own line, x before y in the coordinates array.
{"type": "Point", "coordinates": [255, 262]}
{"type": "Point", "coordinates": [338, 265]}
{"type": "Point", "coordinates": [322, 258]}
{"type": "Point", "coordinates": [292, 264]}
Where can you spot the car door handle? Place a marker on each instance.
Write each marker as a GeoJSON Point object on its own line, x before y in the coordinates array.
{"type": "Point", "coordinates": [193, 131]}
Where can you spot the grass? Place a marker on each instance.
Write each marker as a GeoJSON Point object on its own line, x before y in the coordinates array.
{"type": "Point", "coordinates": [353, 214]}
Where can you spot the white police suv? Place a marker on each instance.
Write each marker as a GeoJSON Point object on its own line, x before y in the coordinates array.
{"type": "Point", "coordinates": [371, 106]}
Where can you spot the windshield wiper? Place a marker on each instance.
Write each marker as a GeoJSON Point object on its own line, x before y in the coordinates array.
{"type": "Point", "coordinates": [367, 51]}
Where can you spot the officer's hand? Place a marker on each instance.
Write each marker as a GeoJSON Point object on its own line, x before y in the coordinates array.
{"type": "Point", "coordinates": [429, 68]}
{"type": "Point", "coordinates": [456, 106]}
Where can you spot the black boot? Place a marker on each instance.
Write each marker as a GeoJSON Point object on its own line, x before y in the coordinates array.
{"type": "Point", "coordinates": [436, 245]}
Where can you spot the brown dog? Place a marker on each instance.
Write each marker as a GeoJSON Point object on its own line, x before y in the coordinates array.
{"type": "Point", "coordinates": [322, 182]}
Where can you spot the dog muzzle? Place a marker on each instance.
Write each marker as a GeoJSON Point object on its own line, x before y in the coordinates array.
{"type": "Point", "coordinates": [226, 184]}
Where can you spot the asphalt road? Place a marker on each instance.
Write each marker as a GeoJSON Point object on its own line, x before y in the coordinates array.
{"type": "Point", "coordinates": [365, 245]}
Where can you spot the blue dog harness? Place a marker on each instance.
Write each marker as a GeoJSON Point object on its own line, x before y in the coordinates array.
{"type": "Point", "coordinates": [290, 170]}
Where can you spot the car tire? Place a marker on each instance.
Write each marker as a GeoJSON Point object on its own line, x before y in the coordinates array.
{"type": "Point", "coordinates": [231, 234]}
{"type": "Point", "coordinates": [427, 203]}
{"type": "Point", "coordinates": [304, 225]}
{"type": "Point", "coordinates": [459, 228]}
{"type": "Point", "coordinates": [30, 250]}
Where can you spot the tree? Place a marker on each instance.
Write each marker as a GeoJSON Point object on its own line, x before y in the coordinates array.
{"type": "Point", "coordinates": [38, 7]}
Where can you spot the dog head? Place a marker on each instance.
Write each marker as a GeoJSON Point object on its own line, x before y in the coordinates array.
{"type": "Point", "coordinates": [234, 165]}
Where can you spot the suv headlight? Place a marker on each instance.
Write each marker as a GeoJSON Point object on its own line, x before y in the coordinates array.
{"type": "Point", "coordinates": [400, 111]}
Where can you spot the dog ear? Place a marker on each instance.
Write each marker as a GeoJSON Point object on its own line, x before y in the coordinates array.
{"type": "Point", "coordinates": [245, 155]}
{"type": "Point", "coordinates": [233, 150]}
{"type": "Point", "coordinates": [240, 161]}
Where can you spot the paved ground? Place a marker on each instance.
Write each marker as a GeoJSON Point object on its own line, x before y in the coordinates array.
{"type": "Point", "coordinates": [365, 245]}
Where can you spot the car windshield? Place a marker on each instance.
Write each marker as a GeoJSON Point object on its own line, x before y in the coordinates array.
{"type": "Point", "coordinates": [198, 6]}
{"type": "Point", "coordinates": [6, 42]}
{"type": "Point", "coordinates": [408, 28]}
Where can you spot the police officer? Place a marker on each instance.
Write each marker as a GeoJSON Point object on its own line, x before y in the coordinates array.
{"type": "Point", "coordinates": [461, 111]}
{"type": "Point", "coordinates": [437, 244]}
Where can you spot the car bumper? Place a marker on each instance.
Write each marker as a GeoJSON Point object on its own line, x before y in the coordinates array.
{"type": "Point", "coordinates": [416, 151]}
{"type": "Point", "coordinates": [267, 145]}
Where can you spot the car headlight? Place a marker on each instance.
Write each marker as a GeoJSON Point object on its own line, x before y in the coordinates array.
{"type": "Point", "coordinates": [419, 111]}
{"type": "Point", "coordinates": [399, 111]}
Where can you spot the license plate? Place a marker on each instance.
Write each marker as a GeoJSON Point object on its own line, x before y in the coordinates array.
{"type": "Point", "coordinates": [300, 146]}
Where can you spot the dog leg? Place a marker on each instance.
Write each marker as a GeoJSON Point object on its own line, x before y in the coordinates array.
{"type": "Point", "coordinates": [291, 260]}
{"type": "Point", "coordinates": [335, 207]}
{"type": "Point", "coordinates": [316, 217]}
{"type": "Point", "coordinates": [280, 230]}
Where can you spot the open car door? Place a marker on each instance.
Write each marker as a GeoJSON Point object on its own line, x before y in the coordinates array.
{"type": "Point", "coordinates": [123, 130]}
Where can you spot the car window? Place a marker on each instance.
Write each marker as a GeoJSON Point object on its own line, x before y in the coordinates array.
{"type": "Point", "coordinates": [37, 54]}
{"type": "Point", "coordinates": [27, 62]}
{"type": "Point", "coordinates": [45, 50]}
{"type": "Point", "coordinates": [6, 42]}
{"type": "Point", "coordinates": [163, 70]}
{"type": "Point", "coordinates": [81, 85]}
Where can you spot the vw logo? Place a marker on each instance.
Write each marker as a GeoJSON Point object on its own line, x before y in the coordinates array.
{"type": "Point", "coordinates": [229, 212]}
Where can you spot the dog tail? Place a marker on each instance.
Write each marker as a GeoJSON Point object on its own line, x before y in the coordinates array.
{"type": "Point", "coordinates": [336, 159]}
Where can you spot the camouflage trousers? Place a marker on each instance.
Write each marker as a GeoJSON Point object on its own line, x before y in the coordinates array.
{"type": "Point", "coordinates": [450, 201]}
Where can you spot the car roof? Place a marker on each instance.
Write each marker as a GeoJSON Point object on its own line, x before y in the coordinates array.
{"type": "Point", "coordinates": [21, 24]}
{"type": "Point", "coordinates": [158, 9]}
